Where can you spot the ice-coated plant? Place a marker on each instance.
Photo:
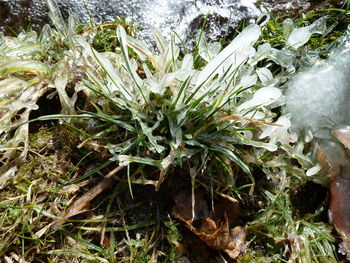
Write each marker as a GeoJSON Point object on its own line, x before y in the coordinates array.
{"type": "Point", "coordinates": [23, 80]}
{"type": "Point", "coordinates": [154, 107]}
{"type": "Point", "coordinates": [210, 115]}
{"type": "Point", "coordinates": [172, 114]}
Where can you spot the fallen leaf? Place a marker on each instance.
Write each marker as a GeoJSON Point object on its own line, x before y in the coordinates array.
{"type": "Point", "coordinates": [335, 162]}
{"type": "Point", "coordinates": [106, 242]}
{"type": "Point", "coordinates": [343, 135]}
{"type": "Point", "coordinates": [226, 207]}
{"type": "Point", "coordinates": [217, 228]}
{"type": "Point", "coordinates": [332, 157]}
{"type": "Point", "coordinates": [80, 205]}
{"type": "Point", "coordinates": [183, 206]}
{"type": "Point", "coordinates": [339, 208]}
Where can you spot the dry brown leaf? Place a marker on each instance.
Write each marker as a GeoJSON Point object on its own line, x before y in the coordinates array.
{"type": "Point", "coordinates": [339, 208]}
{"type": "Point", "coordinates": [343, 135]}
{"type": "Point", "coordinates": [73, 188]}
{"type": "Point", "coordinates": [335, 162]}
{"type": "Point", "coordinates": [80, 205]}
{"type": "Point", "coordinates": [218, 228]}
{"type": "Point", "coordinates": [106, 242]}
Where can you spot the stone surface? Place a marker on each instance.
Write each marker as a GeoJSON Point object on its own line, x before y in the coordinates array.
{"type": "Point", "coordinates": [295, 7]}
{"type": "Point", "coordinates": [185, 17]}
{"type": "Point", "coordinates": [161, 14]}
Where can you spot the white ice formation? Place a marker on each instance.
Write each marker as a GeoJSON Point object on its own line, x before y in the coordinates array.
{"type": "Point", "coordinates": [318, 98]}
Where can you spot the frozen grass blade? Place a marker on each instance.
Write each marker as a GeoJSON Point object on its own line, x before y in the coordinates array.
{"type": "Point", "coordinates": [123, 46]}
{"type": "Point", "coordinates": [25, 66]}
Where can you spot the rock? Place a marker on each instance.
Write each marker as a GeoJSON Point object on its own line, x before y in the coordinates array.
{"type": "Point", "coordinates": [295, 7]}
{"type": "Point", "coordinates": [22, 13]}
{"type": "Point", "coordinates": [185, 17]}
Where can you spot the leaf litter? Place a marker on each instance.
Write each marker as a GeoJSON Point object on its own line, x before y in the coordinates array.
{"type": "Point", "coordinates": [218, 227]}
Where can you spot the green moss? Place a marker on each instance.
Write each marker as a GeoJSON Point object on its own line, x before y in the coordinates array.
{"type": "Point", "coordinates": [104, 37]}
{"type": "Point", "coordinates": [42, 138]}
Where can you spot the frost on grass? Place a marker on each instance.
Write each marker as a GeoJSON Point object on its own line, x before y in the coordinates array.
{"type": "Point", "coordinates": [22, 82]}
{"type": "Point", "coordinates": [28, 70]}
{"type": "Point", "coordinates": [157, 113]}
{"type": "Point", "coordinates": [318, 98]}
